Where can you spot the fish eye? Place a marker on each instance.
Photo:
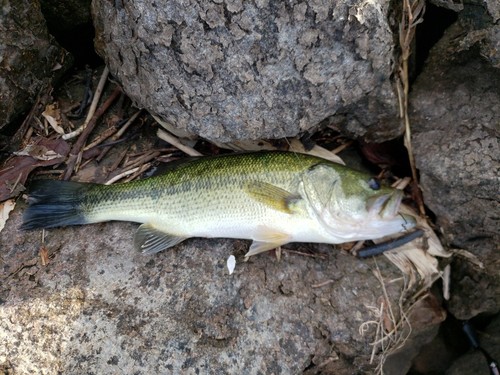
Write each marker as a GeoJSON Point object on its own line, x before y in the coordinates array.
{"type": "Point", "coordinates": [374, 184]}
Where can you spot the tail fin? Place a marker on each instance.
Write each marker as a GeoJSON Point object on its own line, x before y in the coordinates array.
{"type": "Point", "coordinates": [54, 204]}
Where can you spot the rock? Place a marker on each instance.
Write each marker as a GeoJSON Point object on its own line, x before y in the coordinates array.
{"type": "Point", "coordinates": [100, 307]}
{"type": "Point", "coordinates": [425, 318]}
{"type": "Point", "coordinates": [66, 16]}
{"type": "Point", "coordinates": [29, 58]}
{"type": "Point", "coordinates": [474, 362]}
{"type": "Point", "coordinates": [70, 22]}
{"type": "Point", "coordinates": [456, 122]}
{"type": "Point", "coordinates": [254, 69]}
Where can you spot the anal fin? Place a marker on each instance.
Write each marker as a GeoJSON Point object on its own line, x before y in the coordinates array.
{"type": "Point", "coordinates": [267, 239]}
{"type": "Point", "coordinates": [150, 240]}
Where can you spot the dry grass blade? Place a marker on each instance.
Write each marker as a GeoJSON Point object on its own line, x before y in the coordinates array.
{"type": "Point", "coordinates": [418, 258]}
{"type": "Point", "coordinates": [392, 328]}
{"type": "Point", "coordinates": [295, 145]}
{"type": "Point", "coordinates": [412, 15]}
{"type": "Point", "coordinates": [246, 145]}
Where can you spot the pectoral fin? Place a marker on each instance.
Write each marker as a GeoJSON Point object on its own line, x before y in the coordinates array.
{"type": "Point", "coordinates": [272, 196]}
{"type": "Point", "coordinates": [267, 239]}
{"type": "Point", "coordinates": [150, 240]}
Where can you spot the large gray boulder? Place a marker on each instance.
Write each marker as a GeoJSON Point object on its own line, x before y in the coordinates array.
{"type": "Point", "coordinates": [456, 120]}
{"type": "Point", "coordinates": [254, 69]}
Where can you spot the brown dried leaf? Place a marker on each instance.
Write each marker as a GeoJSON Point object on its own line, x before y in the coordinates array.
{"type": "Point", "coordinates": [16, 170]}
{"type": "Point", "coordinates": [38, 152]}
{"type": "Point", "coordinates": [53, 116]}
{"type": "Point", "coordinates": [44, 255]}
{"type": "Point", "coordinates": [5, 209]}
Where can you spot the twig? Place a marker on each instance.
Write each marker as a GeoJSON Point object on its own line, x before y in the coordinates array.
{"type": "Point", "coordinates": [324, 283]}
{"type": "Point", "coordinates": [15, 183]}
{"type": "Point", "coordinates": [28, 135]}
{"type": "Point", "coordinates": [84, 164]}
{"type": "Point", "coordinates": [118, 160]}
{"type": "Point", "coordinates": [143, 168]}
{"type": "Point", "coordinates": [77, 147]}
{"type": "Point", "coordinates": [127, 125]}
{"type": "Point", "coordinates": [304, 254]}
{"type": "Point", "coordinates": [378, 275]}
{"type": "Point", "coordinates": [167, 137]}
{"type": "Point", "coordinates": [118, 134]}
{"type": "Point", "coordinates": [93, 106]}
{"type": "Point", "coordinates": [19, 135]}
{"type": "Point", "coordinates": [101, 138]}
{"type": "Point", "coordinates": [6, 169]}
{"type": "Point", "coordinates": [402, 183]}
{"type": "Point", "coordinates": [342, 147]}
{"type": "Point", "coordinates": [121, 175]}
{"type": "Point", "coordinates": [357, 246]}
{"type": "Point", "coordinates": [143, 159]}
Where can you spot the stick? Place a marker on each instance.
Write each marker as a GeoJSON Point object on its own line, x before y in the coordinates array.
{"type": "Point", "coordinates": [167, 137]}
{"type": "Point", "coordinates": [93, 106]}
{"type": "Point", "coordinates": [121, 175]}
{"type": "Point", "coordinates": [118, 134]}
{"type": "Point", "coordinates": [77, 147]}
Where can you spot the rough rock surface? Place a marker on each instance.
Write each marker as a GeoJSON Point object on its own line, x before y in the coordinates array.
{"type": "Point", "coordinates": [456, 120]}
{"type": "Point", "coordinates": [474, 362]}
{"type": "Point", "coordinates": [29, 57]}
{"type": "Point", "coordinates": [254, 69]}
{"type": "Point", "coordinates": [100, 307]}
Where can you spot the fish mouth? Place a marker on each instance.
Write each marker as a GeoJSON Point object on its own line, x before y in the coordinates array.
{"type": "Point", "coordinates": [386, 206]}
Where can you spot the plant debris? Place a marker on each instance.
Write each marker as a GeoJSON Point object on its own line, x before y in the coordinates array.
{"type": "Point", "coordinates": [5, 208]}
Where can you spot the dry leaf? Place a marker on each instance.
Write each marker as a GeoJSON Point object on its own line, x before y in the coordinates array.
{"type": "Point", "coordinates": [418, 257]}
{"type": "Point", "coordinates": [38, 152]}
{"type": "Point", "coordinates": [53, 116]}
{"type": "Point", "coordinates": [5, 208]}
{"type": "Point", "coordinates": [15, 171]}
{"type": "Point", "coordinates": [44, 255]}
{"type": "Point", "coordinates": [295, 146]}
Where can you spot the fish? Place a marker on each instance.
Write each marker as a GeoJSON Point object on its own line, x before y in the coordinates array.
{"type": "Point", "coordinates": [271, 197]}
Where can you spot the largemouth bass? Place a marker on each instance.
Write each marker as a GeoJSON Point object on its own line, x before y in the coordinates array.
{"type": "Point", "coordinates": [272, 198]}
